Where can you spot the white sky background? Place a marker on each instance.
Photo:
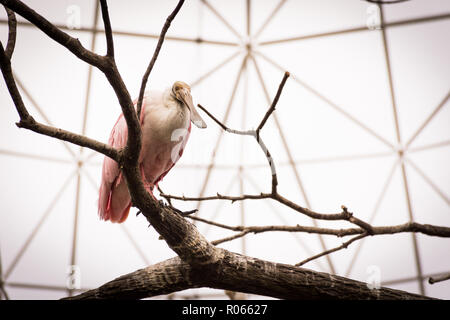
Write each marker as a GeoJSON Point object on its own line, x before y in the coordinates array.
{"type": "Point", "coordinates": [349, 70]}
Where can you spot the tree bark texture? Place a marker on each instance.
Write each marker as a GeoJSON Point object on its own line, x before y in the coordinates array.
{"type": "Point", "coordinates": [240, 273]}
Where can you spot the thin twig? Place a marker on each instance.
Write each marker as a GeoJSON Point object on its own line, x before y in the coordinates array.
{"type": "Point", "coordinates": [236, 236]}
{"type": "Point", "coordinates": [181, 212]}
{"type": "Point", "coordinates": [220, 225]}
{"type": "Point", "coordinates": [343, 246]}
{"type": "Point", "coordinates": [312, 214]}
{"type": "Point", "coordinates": [224, 127]}
{"type": "Point", "coordinates": [444, 277]}
{"type": "Point", "coordinates": [108, 30]}
{"type": "Point", "coordinates": [155, 55]}
{"type": "Point", "coordinates": [12, 33]}
{"type": "Point", "coordinates": [430, 230]}
{"type": "Point", "coordinates": [255, 133]}
{"type": "Point", "coordinates": [218, 196]}
{"type": "Point", "coordinates": [274, 103]}
{"type": "Point", "coordinates": [364, 225]}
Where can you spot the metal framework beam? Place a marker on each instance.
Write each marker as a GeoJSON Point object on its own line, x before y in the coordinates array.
{"type": "Point", "coordinates": [131, 34]}
{"type": "Point", "coordinates": [357, 29]}
{"type": "Point", "coordinates": [400, 152]}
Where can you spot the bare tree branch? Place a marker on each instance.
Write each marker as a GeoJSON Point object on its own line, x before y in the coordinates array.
{"type": "Point", "coordinates": [12, 33]}
{"type": "Point", "coordinates": [59, 36]}
{"type": "Point", "coordinates": [162, 278]}
{"type": "Point", "coordinates": [255, 133]}
{"type": "Point", "coordinates": [429, 230]}
{"type": "Point", "coordinates": [344, 215]}
{"type": "Point", "coordinates": [274, 103]}
{"type": "Point", "coordinates": [342, 246]}
{"type": "Point", "coordinates": [230, 238]}
{"type": "Point", "coordinates": [255, 276]}
{"type": "Point", "coordinates": [364, 230]}
{"type": "Point", "coordinates": [155, 55]}
{"type": "Point", "coordinates": [108, 30]}
{"type": "Point", "coordinates": [224, 127]}
{"type": "Point", "coordinates": [444, 277]}
{"type": "Point", "coordinates": [28, 122]}
{"type": "Point", "coordinates": [172, 226]}
{"type": "Point", "coordinates": [104, 63]}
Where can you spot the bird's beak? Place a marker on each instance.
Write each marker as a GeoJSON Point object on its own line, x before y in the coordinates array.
{"type": "Point", "coordinates": [195, 117]}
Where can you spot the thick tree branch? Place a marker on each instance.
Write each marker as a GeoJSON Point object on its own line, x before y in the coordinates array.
{"type": "Point", "coordinates": [255, 277]}
{"type": "Point", "coordinates": [162, 278]}
{"type": "Point", "coordinates": [59, 36]}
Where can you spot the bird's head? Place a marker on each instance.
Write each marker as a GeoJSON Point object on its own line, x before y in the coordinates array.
{"type": "Point", "coordinates": [182, 92]}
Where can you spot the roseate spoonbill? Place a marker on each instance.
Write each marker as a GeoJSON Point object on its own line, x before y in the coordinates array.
{"type": "Point", "coordinates": [166, 124]}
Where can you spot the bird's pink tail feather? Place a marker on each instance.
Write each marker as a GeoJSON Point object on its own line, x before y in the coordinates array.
{"type": "Point", "coordinates": [105, 209]}
{"type": "Point", "coordinates": [104, 201]}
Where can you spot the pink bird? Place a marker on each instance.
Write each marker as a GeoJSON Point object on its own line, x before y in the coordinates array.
{"type": "Point", "coordinates": [166, 124]}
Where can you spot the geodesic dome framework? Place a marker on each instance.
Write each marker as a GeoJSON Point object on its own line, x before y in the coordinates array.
{"type": "Point", "coordinates": [363, 121]}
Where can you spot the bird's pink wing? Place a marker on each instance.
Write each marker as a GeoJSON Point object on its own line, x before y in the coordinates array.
{"type": "Point", "coordinates": [111, 174]}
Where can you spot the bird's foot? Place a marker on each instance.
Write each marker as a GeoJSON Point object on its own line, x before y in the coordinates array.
{"type": "Point", "coordinates": [180, 212]}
